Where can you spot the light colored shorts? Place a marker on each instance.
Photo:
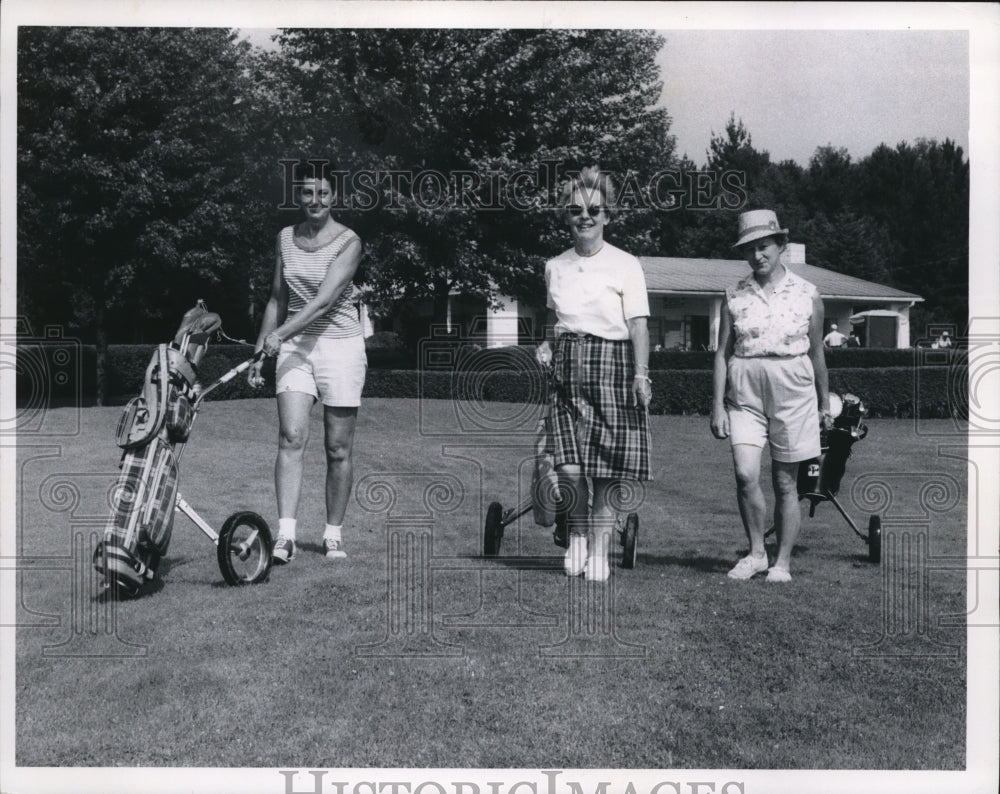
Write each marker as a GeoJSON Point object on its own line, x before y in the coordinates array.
{"type": "Point", "coordinates": [773, 401]}
{"type": "Point", "coordinates": [331, 370]}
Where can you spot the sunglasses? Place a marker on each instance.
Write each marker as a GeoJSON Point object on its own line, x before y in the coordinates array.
{"type": "Point", "coordinates": [576, 210]}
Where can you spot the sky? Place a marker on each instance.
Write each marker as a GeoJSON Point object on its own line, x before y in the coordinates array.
{"type": "Point", "coordinates": [796, 90]}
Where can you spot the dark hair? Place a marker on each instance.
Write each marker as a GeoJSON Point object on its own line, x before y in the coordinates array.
{"type": "Point", "coordinates": [314, 168]}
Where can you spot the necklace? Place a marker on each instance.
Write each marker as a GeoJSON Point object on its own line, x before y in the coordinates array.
{"type": "Point", "coordinates": [593, 253]}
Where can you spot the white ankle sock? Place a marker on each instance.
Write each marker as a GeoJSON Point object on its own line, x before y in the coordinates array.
{"type": "Point", "coordinates": [332, 531]}
{"type": "Point", "coordinates": [286, 527]}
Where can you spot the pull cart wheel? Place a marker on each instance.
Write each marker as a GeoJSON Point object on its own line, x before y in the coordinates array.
{"type": "Point", "coordinates": [560, 535]}
{"type": "Point", "coordinates": [493, 531]}
{"type": "Point", "coordinates": [244, 549]}
{"type": "Point", "coordinates": [630, 536]}
{"type": "Point", "coordinates": [875, 539]}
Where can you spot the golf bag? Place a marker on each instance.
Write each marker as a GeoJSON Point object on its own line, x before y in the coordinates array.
{"type": "Point", "coordinates": [138, 530]}
{"type": "Point", "coordinates": [822, 475]}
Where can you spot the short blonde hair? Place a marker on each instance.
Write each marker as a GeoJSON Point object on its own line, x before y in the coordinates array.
{"type": "Point", "coordinates": [590, 179]}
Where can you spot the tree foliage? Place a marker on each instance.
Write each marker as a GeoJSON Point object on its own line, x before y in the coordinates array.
{"type": "Point", "coordinates": [150, 173]}
{"type": "Point", "coordinates": [488, 104]}
{"type": "Point", "coordinates": [897, 217]}
{"type": "Point", "coordinates": [133, 147]}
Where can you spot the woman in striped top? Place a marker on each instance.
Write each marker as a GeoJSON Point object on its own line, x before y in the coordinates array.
{"type": "Point", "coordinates": [312, 325]}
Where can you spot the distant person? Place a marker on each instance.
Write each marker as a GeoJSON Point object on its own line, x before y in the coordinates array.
{"type": "Point", "coordinates": [769, 387]}
{"type": "Point", "coordinates": [834, 338]}
{"type": "Point", "coordinates": [943, 342]}
{"type": "Point", "coordinates": [313, 328]}
{"type": "Point", "coordinates": [598, 308]}
{"type": "Point", "coordinates": [853, 341]}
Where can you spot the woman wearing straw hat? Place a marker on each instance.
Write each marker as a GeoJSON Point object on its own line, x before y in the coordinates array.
{"type": "Point", "coordinates": [769, 387]}
{"type": "Point", "coordinates": [598, 308]}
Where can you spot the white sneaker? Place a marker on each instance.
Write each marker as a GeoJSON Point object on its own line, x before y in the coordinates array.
{"type": "Point", "coordinates": [334, 549]}
{"type": "Point", "coordinates": [748, 567]}
{"type": "Point", "coordinates": [575, 560]}
{"type": "Point", "coordinates": [597, 570]}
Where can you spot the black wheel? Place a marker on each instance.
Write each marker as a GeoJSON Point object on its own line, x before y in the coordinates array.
{"type": "Point", "coordinates": [875, 539]}
{"type": "Point", "coordinates": [560, 534]}
{"type": "Point", "coordinates": [630, 537]}
{"type": "Point", "coordinates": [244, 549]}
{"type": "Point", "coordinates": [493, 531]}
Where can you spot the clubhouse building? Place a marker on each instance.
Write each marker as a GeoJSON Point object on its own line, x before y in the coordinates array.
{"type": "Point", "coordinates": [685, 301]}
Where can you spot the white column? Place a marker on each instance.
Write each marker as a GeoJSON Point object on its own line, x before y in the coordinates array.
{"type": "Point", "coordinates": [501, 325]}
{"type": "Point", "coordinates": [366, 321]}
{"type": "Point", "coordinates": [903, 325]}
{"type": "Point", "coordinates": [714, 315]}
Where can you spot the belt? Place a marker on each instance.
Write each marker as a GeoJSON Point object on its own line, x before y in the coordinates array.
{"type": "Point", "coordinates": [774, 355]}
{"type": "Point", "coordinates": [574, 337]}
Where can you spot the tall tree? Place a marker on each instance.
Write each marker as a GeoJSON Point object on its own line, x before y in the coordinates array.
{"type": "Point", "coordinates": [708, 232]}
{"type": "Point", "coordinates": [833, 181]}
{"type": "Point", "coordinates": [920, 194]}
{"type": "Point", "coordinates": [479, 108]}
{"type": "Point", "coordinates": [133, 152]}
{"type": "Point", "coordinates": [847, 242]}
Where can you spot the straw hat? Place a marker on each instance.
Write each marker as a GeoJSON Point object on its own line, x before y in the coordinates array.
{"type": "Point", "coordinates": [756, 224]}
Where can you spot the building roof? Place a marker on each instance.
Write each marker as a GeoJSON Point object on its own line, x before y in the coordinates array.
{"type": "Point", "coordinates": [676, 276]}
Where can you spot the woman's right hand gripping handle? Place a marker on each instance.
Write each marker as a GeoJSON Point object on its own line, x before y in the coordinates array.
{"type": "Point", "coordinates": [269, 347]}
{"type": "Point", "coordinates": [543, 353]}
{"type": "Point", "coordinates": [254, 375]}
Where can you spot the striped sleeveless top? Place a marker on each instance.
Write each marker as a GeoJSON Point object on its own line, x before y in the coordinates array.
{"type": "Point", "coordinates": [304, 271]}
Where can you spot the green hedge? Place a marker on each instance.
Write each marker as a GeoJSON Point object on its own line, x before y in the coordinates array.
{"type": "Point", "coordinates": [837, 358]}
{"type": "Point", "coordinates": [64, 373]}
{"type": "Point", "coordinates": [900, 392]}
{"type": "Point", "coordinates": [933, 392]}
{"type": "Point", "coordinates": [126, 371]}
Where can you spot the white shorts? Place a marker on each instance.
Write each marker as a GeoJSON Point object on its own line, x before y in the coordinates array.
{"type": "Point", "coordinates": [773, 401]}
{"type": "Point", "coordinates": [331, 370]}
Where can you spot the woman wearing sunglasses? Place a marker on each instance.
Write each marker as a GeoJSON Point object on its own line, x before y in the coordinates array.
{"type": "Point", "coordinates": [598, 308]}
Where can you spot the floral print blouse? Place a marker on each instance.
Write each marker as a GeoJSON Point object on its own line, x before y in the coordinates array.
{"type": "Point", "coordinates": [771, 325]}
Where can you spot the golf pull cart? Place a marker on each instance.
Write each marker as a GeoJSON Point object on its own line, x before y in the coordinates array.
{"type": "Point", "coordinates": [545, 504]}
{"type": "Point", "coordinates": [819, 478]}
{"type": "Point", "coordinates": [152, 433]}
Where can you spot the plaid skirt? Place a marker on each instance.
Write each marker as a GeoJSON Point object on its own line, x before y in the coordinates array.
{"type": "Point", "coordinates": [595, 425]}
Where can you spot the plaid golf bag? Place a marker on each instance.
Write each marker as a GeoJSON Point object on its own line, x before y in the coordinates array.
{"type": "Point", "coordinates": [142, 505]}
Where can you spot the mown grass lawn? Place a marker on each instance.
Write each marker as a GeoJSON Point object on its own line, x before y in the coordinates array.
{"type": "Point", "coordinates": [452, 660]}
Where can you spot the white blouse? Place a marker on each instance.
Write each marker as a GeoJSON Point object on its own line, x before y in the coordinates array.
{"type": "Point", "coordinates": [596, 294]}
